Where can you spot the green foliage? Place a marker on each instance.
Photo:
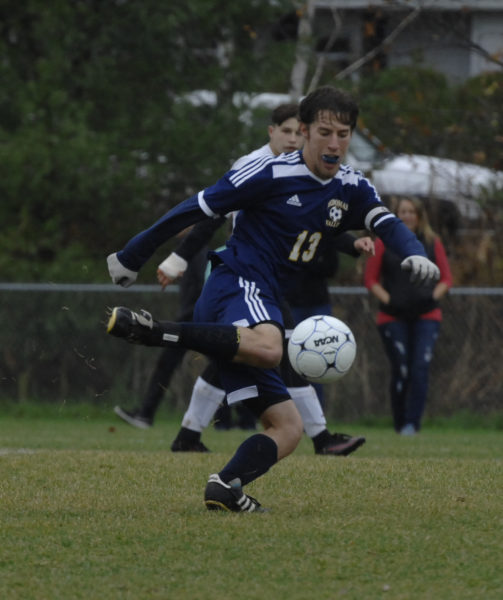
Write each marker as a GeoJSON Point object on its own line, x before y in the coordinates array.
{"type": "Point", "coordinates": [480, 103]}
{"type": "Point", "coordinates": [405, 102]}
{"type": "Point", "coordinates": [93, 143]}
{"type": "Point", "coordinates": [416, 110]}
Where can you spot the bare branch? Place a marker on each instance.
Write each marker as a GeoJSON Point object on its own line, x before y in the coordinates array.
{"type": "Point", "coordinates": [303, 51]}
{"type": "Point", "coordinates": [479, 49]}
{"type": "Point", "coordinates": [320, 63]}
{"type": "Point", "coordinates": [375, 51]}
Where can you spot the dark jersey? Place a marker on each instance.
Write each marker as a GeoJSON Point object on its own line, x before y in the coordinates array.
{"type": "Point", "coordinates": [285, 213]}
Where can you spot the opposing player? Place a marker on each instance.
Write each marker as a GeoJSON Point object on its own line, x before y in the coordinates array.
{"type": "Point", "coordinates": [287, 204]}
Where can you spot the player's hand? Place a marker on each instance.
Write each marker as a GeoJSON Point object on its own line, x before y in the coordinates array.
{"type": "Point", "coordinates": [365, 245]}
{"type": "Point", "coordinates": [422, 270]}
{"type": "Point", "coordinates": [171, 269]}
{"type": "Point", "coordinates": [119, 273]}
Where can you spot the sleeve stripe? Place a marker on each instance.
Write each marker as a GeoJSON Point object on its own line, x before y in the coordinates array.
{"type": "Point", "coordinates": [249, 170]}
{"type": "Point", "coordinates": [204, 207]}
{"type": "Point", "coordinates": [380, 220]}
{"type": "Point", "coordinates": [372, 214]}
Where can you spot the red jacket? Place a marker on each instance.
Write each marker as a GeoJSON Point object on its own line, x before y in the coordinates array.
{"type": "Point", "coordinates": [406, 299]}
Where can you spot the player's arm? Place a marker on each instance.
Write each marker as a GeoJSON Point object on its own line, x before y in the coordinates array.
{"type": "Point", "coordinates": [345, 243]}
{"type": "Point", "coordinates": [124, 265]}
{"type": "Point", "coordinates": [175, 265]}
{"type": "Point", "coordinates": [199, 236]}
{"type": "Point", "coordinates": [352, 245]}
{"type": "Point", "coordinates": [402, 241]}
{"type": "Point", "coordinates": [232, 192]}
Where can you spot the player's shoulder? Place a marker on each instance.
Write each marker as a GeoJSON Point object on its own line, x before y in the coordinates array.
{"type": "Point", "coordinates": [348, 175]}
{"type": "Point", "coordinates": [259, 153]}
{"type": "Point", "coordinates": [263, 168]}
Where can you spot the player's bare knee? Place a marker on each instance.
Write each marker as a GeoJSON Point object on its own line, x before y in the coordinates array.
{"type": "Point", "coordinates": [297, 429]}
{"type": "Point", "coordinates": [265, 343]}
{"type": "Point", "coordinates": [264, 355]}
{"type": "Point", "coordinates": [293, 428]}
{"type": "Point", "coordinates": [271, 356]}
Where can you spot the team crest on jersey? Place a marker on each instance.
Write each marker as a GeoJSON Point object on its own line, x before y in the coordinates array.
{"type": "Point", "coordinates": [336, 210]}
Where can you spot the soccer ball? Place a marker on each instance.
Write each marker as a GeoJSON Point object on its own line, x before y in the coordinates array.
{"type": "Point", "coordinates": [321, 349]}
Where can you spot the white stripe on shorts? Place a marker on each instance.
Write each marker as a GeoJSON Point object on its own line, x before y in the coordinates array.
{"type": "Point", "coordinates": [253, 301]}
{"type": "Point", "coordinates": [242, 394]}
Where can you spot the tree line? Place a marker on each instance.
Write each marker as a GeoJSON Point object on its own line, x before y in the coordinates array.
{"type": "Point", "coordinates": [96, 140]}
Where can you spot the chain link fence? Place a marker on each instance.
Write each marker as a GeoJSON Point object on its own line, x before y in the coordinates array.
{"type": "Point", "coordinates": [54, 349]}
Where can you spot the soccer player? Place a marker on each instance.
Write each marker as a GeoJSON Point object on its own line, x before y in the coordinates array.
{"type": "Point", "coordinates": [207, 394]}
{"type": "Point", "coordinates": [286, 204]}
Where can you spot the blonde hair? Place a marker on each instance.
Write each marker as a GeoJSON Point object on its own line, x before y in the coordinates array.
{"type": "Point", "coordinates": [423, 223]}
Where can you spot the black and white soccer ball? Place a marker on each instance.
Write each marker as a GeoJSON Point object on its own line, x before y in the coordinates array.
{"type": "Point", "coordinates": [322, 348]}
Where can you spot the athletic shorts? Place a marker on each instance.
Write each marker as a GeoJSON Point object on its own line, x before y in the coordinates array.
{"type": "Point", "coordinates": [230, 299]}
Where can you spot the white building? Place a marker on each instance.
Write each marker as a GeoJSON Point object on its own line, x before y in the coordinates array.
{"type": "Point", "coordinates": [456, 37]}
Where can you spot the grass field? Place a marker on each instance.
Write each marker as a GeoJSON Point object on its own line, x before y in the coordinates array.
{"type": "Point", "coordinates": [91, 508]}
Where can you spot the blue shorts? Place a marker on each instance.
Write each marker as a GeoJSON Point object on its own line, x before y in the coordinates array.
{"type": "Point", "coordinates": [229, 299]}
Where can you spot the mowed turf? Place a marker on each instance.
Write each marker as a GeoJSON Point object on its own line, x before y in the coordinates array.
{"type": "Point", "coordinates": [92, 508]}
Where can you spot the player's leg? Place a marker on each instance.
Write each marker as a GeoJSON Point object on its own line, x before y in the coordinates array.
{"type": "Point", "coordinates": [263, 391]}
{"type": "Point", "coordinates": [257, 342]}
{"type": "Point", "coordinates": [207, 395]}
{"type": "Point", "coordinates": [253, 458]}
{"type": "Point", "coordinates": [258, 347]}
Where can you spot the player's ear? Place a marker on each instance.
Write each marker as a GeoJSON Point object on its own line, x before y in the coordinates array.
{"type": "Point", "coordinates": [304, 130]}
{"type": "Point", "coordinates": [270, 129]}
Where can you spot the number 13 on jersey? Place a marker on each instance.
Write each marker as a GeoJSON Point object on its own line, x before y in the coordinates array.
{"type": "Point", "coordinates": [305, 247]}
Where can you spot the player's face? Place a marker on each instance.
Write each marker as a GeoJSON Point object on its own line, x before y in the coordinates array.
{"type": "Point", "coordinates": [326, 143]}
{"type": "Point", "coordinates": [285, 137]}
{"type": "Point", "coordinates": [407, 213]}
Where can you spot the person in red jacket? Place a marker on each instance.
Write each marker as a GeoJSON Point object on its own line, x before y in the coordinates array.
{"type": "Point", "coordinates": [409, 316]}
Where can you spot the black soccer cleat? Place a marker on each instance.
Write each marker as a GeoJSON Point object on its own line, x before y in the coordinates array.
{"type": "Point", "coordinates": [136, 328]}
{"type": "Point", "coordinates": [134, 418]}
{"type": "Point", "coordinates": [341, 444]}
{"type": "Point", "coordinates": [186, 446]}
{"type": "Point", "coordinates": [229, 497]}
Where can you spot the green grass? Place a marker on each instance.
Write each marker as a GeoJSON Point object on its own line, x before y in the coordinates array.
{"type": "Point", "coordinates": [91, 508]}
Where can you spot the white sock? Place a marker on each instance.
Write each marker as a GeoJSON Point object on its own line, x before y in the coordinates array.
{"type": "Point", "coordinates": [205, 400]}
{"type": "Point", "coordinates": [307, 403]}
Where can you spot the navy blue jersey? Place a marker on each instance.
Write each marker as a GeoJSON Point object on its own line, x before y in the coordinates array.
{"type": "Point", "coordinates": [285, 212]}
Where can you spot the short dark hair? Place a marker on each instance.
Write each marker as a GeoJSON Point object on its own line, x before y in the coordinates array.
{"type": "Point", "coordinates": [283, 112]}
{"type": "Point", "coordinates": [332, 99]}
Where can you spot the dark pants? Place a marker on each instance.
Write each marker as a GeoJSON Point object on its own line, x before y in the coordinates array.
{"type": "Point", "coordinates": [409, 346]}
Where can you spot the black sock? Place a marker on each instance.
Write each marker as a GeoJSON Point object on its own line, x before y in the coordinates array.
{"type": "Point", "coordinates": [322, 439]}
{"type": "Point", "coordinates": [253, 458]}
{"type": "Point", "coordinates": [217, 341]}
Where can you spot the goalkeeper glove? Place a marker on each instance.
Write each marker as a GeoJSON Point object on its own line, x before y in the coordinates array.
{"type": "Point", "coordinates": [119, 273]}
{"type": "Point", "coordinates": [422, 270]}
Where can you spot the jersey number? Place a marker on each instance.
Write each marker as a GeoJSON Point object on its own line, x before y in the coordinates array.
{"type": "Point", "coordinates": [308, 254]}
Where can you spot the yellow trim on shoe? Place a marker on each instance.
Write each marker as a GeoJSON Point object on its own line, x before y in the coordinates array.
{"type": "Point", "coordinates": [214, 505]}
{"type": "Point", "coordinates": [111, 320]}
